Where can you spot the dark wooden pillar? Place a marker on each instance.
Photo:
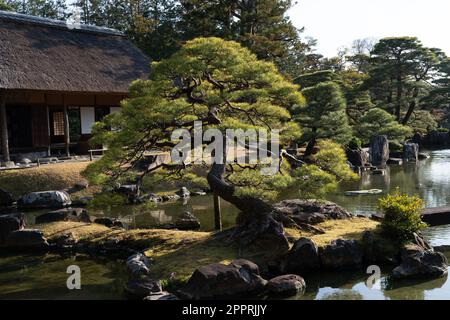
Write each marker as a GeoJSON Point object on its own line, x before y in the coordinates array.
{"type": "Point", "coordinates": [217, 213]}
{"type": "Point", "coordinates": [4, 127]}
{"type": "Point", "coordinates": [66, 129]}
{"type": "Point", "coordinates": [49, 137]}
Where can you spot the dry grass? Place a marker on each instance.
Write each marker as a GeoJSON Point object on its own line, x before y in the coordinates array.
{"type": "Point", "coordinates": [182, 252]}
{"type": "Point", "coordinates": [49, 177]}
{"type": "Point", "coordinates": [335, 229]}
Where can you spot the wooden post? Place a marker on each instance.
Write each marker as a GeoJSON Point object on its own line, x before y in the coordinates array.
{"type": "Point", "coordinates": [4, 127]}
{"type": "Point", "coordinates": [66, 129]}
{"type": "Point", "coordinates": [47, 112]}
{"type": "Point", "coordinates": [217, 212]}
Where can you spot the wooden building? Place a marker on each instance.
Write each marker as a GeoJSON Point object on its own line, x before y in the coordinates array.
{"type": "Point", "coordinates": [57, 80]}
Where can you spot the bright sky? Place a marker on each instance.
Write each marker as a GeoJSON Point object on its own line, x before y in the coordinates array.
{"type": "Point", "coordinates": [336, 23]}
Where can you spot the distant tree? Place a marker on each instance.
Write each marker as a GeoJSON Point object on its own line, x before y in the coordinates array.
{"type": "Point", "coordinates": [5, 6]}
{"type": "Point", "coordinates": [401, 69]}
{"type": "Point", "coordinates": [379, 122]}
{"type": "Point", "coordinates": [325, 115]}
{"type": "Point", "coordinates": [262, 26]}
{"type": "Point", "coordinates": [54, 9]}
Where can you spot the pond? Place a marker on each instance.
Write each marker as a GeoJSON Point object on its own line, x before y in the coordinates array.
{"type": "Point", "coordinates": [31, 277]}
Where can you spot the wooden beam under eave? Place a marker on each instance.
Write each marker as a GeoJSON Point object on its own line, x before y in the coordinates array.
{"type": "Point", "coordinates": [4, 127]}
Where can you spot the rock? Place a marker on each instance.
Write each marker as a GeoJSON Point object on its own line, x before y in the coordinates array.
{"type": "Point", "coordinates": [395, 161]}
{"type": "Point", "coordinates": [286, 285]}
{"type": "Point", "coordinates": [6, 198]}
{"type": "Point", "coordinates": [421, 264]}
{"type": "Point", "coordinates": [10, 223]}
{"type": "Point", "coordinates": [172, 197]}
{"type": "Point", "coordinates": [66, 214]}
{"type": "Point", "coordinates": [311, 211]}
{"type": "Point", "coordinates": [138, 264]}
{"type": "Point", "coordinates": [379, 150]}
{"type": "Point", "coordinates": [379, 172]}
{"type": "Point", "coordinates": [79, 186]}
{"type": "Point", "coordinates": [303, 257]}
{"type": "Point", "coordinates": [198, 193]}
{"type": "Point", "coordinates": [411, 152]}
{"type": "Point", "coordinates": [65, 241]}
{"type": "Point", "coordinates": [423, 156]}
{"type": "Point", "coordinates": [82, 202]}
{"type": "Point", "coordinates": [183, 193]}
{"type": "Point", "coordinates": [163, 295]}
{"type": "Point", "coordinates": [217, 281]}
{"type": "Point", "coordinates": [358, 157]}
{"type": "Point", "coordinates": [379, 250]}
{"type": "Point", "coordinates": [108, 222]}
{"type": "Point", "coordinates": [131, 191]}
{"type": "Point", "coordinates": [45, 199]}
{"type": "Point", "coordinates": [341, 254]}
{"type": "Point", "coordinates": [26, 239]}
{"type": "Point", "coordinates": [23, 160]}
{"type": "Point", "coordinates": [150, 197]}
{"type": "Point", "coordinates": [8, 164]}
{"type": "Point", "coordinates": [141, 288]}
{"type": "Point", "coordinates": [187, 222]}
{"type": "Point", "coordinates": [48, 160]}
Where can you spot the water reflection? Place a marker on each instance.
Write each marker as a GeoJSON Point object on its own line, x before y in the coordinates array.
{"type": "Point", "coordinates": [352, 286]}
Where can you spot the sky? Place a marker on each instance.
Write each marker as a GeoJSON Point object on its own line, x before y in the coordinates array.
{"type": "Point", "coordinates": [336, 23]}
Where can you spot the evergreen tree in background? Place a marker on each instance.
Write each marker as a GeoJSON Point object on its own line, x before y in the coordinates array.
{"type": "Point", "coordinates": [400, 70]}
{"type": "Point", "coordinates": [324, 116]}
{"type": "Point", "coordinates": [54, 9]}
{"type": "Point", "coordinates": [379, 122]}
{"type": "Point", "coordinates": [260, 25]}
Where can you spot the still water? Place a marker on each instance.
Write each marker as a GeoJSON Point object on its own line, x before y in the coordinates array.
{"type": "Point", "coordinates": [37, 277]}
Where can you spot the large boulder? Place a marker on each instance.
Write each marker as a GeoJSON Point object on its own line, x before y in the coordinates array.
{"type": "Point", "coordinates": [187, 222]}
{"type": "Point", "coordinates": [215, 281]}
{"type": "Point", "coordinates": [10, 223]}
{"type": "Point", "coordinates": [66, 214]}
{"type": "Point", "coordinates": [26, 239]}
{"type": "Point", "coordinates": [311, 211]}
{"type": "Point", "coordinates": [418, 263]}
{"type": "Point", "coordinates": [411, 152]}
{"type": "Point", "coordinates": [341, 254]}
{"type": "Point", "coordinates": [45, 199]}
{"type": "Point", "coordinates": [286, 285]}
{"type": "Point", "coordinates": [379, 150]}
{"type": "Point", "coordinates": [6, 198]}
{"type": "Point", "coordinates": [138, 265]}
{"type": "Point", "coordinates": [303, 257]}
{"type": "Point", "coordinates": [379, 249]}
{"type": "Point", "coordinates": [358, 157]}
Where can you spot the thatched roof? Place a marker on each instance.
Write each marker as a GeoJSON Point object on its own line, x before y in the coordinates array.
{"type": "Point", "coordinates": [45, 54]}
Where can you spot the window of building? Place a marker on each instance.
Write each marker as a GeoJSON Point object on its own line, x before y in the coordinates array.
{"type": "Point", "coordinates": [58, 123]}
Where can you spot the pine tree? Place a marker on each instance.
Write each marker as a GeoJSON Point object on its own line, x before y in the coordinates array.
{"type": "Point", "coordinates": [325, 115]}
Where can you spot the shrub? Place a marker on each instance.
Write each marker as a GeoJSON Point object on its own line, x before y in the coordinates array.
{"type": "Point", "coordinates": [402, 215]}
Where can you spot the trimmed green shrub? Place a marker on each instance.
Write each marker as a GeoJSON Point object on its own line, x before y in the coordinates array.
{"type": "Point", "coordinates": [355, 143]}
{"type": "Point", "coordinates": [402, 215]}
